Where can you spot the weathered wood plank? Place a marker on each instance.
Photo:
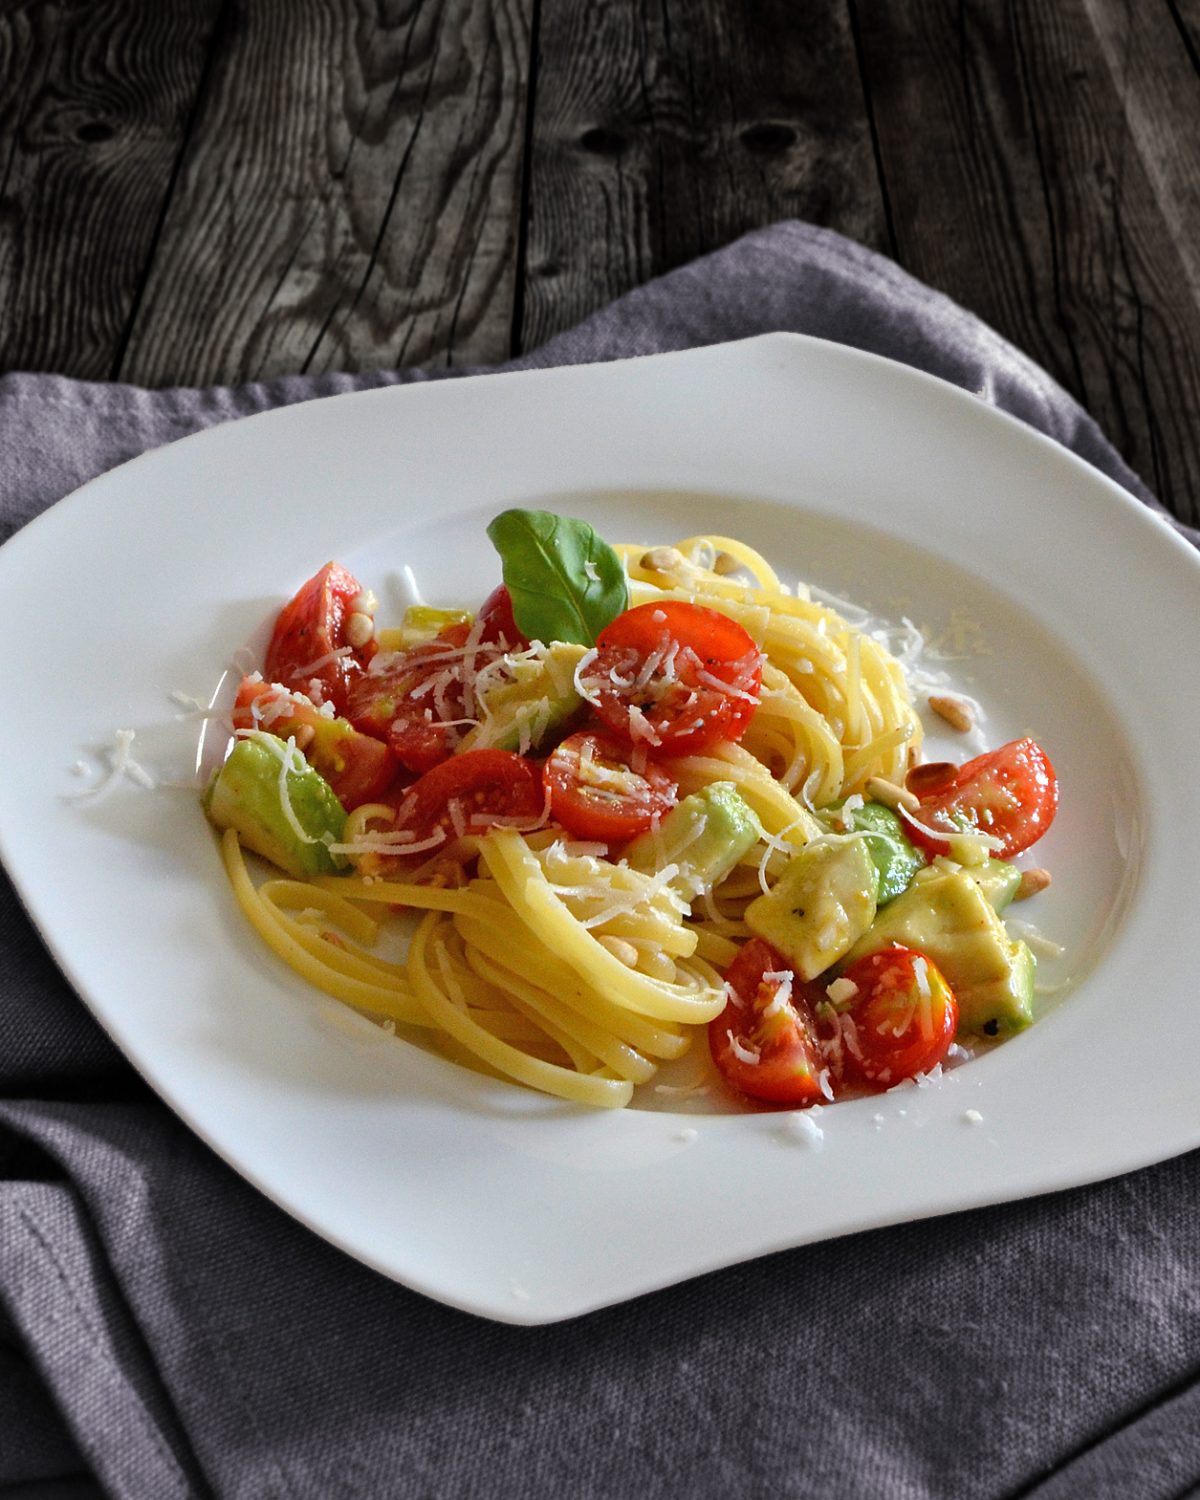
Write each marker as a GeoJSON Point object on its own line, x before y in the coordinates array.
{"type": "Point", "coordinates": [1025, 151]}
{"type": "Point", "coordinates": [94, 102]}
{"type": "Point", "coordinates": [350, 196]}
{"type": "Point", "coordinates": [665, 129]}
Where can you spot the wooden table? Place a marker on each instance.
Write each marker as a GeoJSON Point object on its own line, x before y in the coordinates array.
{"type": "Point", "coordinates": [203, 191]}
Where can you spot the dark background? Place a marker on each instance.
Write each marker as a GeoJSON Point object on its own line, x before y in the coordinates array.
{"type": "Point", "coordinates": [203, 191]}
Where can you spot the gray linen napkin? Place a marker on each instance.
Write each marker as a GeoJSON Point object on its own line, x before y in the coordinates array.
{"type": "Point", "coordinates": [166, 1329]}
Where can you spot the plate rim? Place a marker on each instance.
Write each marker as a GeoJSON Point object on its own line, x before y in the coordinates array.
{"type": "Point", "coordinates": [96, 488]}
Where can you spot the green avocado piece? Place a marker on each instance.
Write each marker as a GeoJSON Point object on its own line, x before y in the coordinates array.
{"type": "Point", "coordinates": [998, 880]}
{"type": "Point", "coordinates": [705, 835]}
{"type": "Point", "coordinates": [423, 624]}
{"type": "Point", "coordinates": [1001, 1006]}
{"type": "Point", "coordinates": [245, 794]}
{"type": "Point", "coordinates": [820, 906]}
{"type": "Point", "coordinates": [894, 855]}
{"type": "Point", "coordinates": [534, 709]}
{"type": "Point", "coordinates": [945, 915]}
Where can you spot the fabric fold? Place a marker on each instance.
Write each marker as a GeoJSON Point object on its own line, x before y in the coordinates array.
{"type": "Point", "coordinates": [194, 1339]}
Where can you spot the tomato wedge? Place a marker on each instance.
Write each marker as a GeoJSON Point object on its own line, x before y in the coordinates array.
{"type": "Point", "coordinates": [595, 794]}
{"type": "Point", "coordinates": [469, 793]}
{"type": "Point", "coordinates": [358, 768]}
{"type": "Point", "coordinates": [499, 627]}
{"type": "Point", "coordinates": [674, 677]}
{"type": "Point", "coordinates": [764, 1042]}
{"type": "Point", "coordinates": [309, 641]}
{"type": "Point", "coordinates": [903, 1018]}
{"type": "Point", "coordinates": [411, 698]}
{"type": "Point", "coordinates": [1010, 793]}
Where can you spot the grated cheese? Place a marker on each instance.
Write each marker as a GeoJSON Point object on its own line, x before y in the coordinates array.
{"type": "Point", "coordinates": [801, 1128]}
{"type": "Point", "coordinates": [783, 995]}
{"type": "Point", "coordinates": [1033, 937]}
{"type": "Point", "coordinates": [319, 665]}
{"type": "Point", "coordinates": [120, 763]}
{"type": "Point", "coordinates": [749, 1055]}
{"type": "Point", "coordinates": [984, 840]}
{"type": "Point", "coordinates": [584, 662]}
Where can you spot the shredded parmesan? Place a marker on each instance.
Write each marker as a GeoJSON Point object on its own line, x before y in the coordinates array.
{"type": "Point", "coordinates": [120, 763]}
{"type": "Point", "coordinates": [313, 667]}
{"type": "Point", "coordinates": [802, 1128]}
{"type": "Point", "coordinates": [749, 1055]}
{"type": "Point", "coordinates": [984, 840]}
{"type": "Point", "coordinates": [841, 990]}
{"type": "Point", "coordinates": [1033, 937]}
{"type": "Point", "coordinates": [783, 995]}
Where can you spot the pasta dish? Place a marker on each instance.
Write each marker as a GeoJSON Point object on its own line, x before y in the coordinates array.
{"type": "Point", "coordinates": [643, 798]}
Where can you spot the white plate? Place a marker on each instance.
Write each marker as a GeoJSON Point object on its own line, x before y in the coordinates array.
{"type": "Point", "coordinates": [874, 481]}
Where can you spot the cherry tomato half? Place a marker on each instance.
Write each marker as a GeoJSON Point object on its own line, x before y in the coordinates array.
{"type": "Point", "coordinates": [904, 1018]}
{"type": "Point", "coordinates": [1010, 793]}
{"type": "Point", "coordinates": [310, 629]}
{"type": "Point", "coordinates": [595, 795]}
{"type": "Point", "coordinates": [469, 792]}
{"type": "Point", "coordinates": [499, 627]}
{"type": "Point", "coordinates": [358, 768]}
{"type": "Point", "coordinates": [764, 1042]}
{"type": "Point", "coordinates": [411, 703]}
{"type": "Point", "coordinates": [675, 677]}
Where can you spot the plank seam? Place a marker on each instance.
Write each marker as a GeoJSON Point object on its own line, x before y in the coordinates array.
{"type": "Point", "coordinates": [516, 341]}
{"type": "Point", "coordinates": [393, 195]}
{"type": "Point", "coordinates": [189, 127]}
{"type": "Point", "coordinates": [1189, 46]}
{"type": "Point", "coordinates": [876, 148]}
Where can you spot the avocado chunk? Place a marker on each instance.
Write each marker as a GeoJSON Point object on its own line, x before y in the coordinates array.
{"type": "Point", "coordinates": [998, 880]}
{"type": "Point", "coordinates": [945, 915]}
{"type": "Point", "coordinates": [245, 794]}
{"type": "Point", "coordinates": [534, 706]}
{"type": "Point", "coordinates": [705, 835]}
{"type": "Point", "coordinates": [422, 624]}
{"type": "Point", "coordinates": [892, 853]}
{"type": "Point", "coordinates": [1007, 1002]}
{"type": "Point", "coordinates": [821, 905]}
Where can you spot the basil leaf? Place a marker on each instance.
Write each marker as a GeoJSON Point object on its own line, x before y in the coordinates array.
{"type": "Point", "coordinates": [566, 583]}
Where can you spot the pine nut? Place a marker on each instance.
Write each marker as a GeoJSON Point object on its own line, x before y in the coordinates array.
{"type": "Point", "coordinates": [925, 780]}
{"type": "Point", "coordinates": [360, 628]}
{"type": "Point", "coordinates": [953, 710]}
{"type": "Point", "coordinates": [1032, 881]}
{"type": "Point", "coordinates": [663, 559]}
{"type": "Point", "coordinates": [725, 563]}
{"type": "Point", "coordinates": [891, 795]}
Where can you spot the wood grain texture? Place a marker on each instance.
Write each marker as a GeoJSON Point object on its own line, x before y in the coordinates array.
{"type": "Point", "coordinates": [1028, 163]}
{"type": "Point", "coordinates": [665, 129]}
{"type": "Point", "coordinates": [350, 195]}
{"type": "Point", "coordinates": [94, 100]}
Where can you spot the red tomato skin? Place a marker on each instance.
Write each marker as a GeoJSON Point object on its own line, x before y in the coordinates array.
{"type": "Point", "coordinates": [493, 783]}
{"type": "Point", "coordinates": [499, 625]}
{"type": "Point", "coordinates": [888, 991]}
{"type": "Point", "coordinates": [790, 1064]}
{"type": "Point", "coordinates": [358, 768]}
{"type": "Point", "coordinates": [311, 626]}
{"type": "Point", "coordinates": [586, 812]}
{"type": "Point", "coordinates": [1016, 784]}
{"type": "Point", "coordinates": [380, 704]}
{"type": "Point", "coordinates": [708, 643]}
